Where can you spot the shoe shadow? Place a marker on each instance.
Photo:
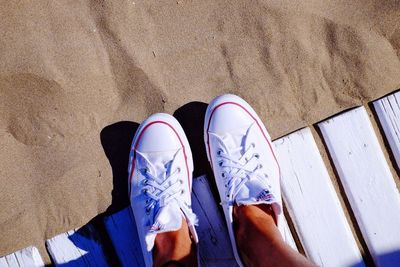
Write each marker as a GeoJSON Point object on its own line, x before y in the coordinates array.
{"type": "Point", "coordinates": [116, 140]}
{"type": "Point", "coordinates": [92, 240]}
{"type": "Point", "coordinates": [191, 117]}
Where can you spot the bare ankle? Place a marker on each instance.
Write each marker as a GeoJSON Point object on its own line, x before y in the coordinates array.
{"type": "Point", "coordinates": [254, 225]}
{"type": "Point", "coordinates": [251, 212]}
{"type": "Point", "coordinates": [175, 246]}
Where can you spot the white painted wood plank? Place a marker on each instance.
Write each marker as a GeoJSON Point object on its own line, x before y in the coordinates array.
{"type": "Point", "coordinates": [367, 181]}
{"type": "Point", "coordinates": [121, 228]}
{"type": "Point", "coordinates": [313, 204]}
{"type": "Point", "coordinates": [77, 248]}
{"type": "Point", "coordinates": [11, 260]}
{"type": "Point", "coordinates": [27, 257]}
{"type": "Point", "coordinates": [214, 243]}
{"type": "Point", "coordinates": [288, 235]}
{"type": "Point", "coordinates": [388, 110]}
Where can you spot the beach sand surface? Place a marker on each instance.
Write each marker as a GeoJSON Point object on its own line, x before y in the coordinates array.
{"type": "Point", "coordinates": [68, 69]}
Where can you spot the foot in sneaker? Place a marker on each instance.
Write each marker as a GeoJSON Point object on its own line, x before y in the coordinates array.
{"type": "Point", "coordinates": [160, 180]}
{"type": "Point", "coordinates": [240, 152]}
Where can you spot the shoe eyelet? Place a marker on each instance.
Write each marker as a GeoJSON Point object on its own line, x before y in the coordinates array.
{"type": "Point", "coordinates": [180, 181]}
{"type": "Point", "coordinates": [256, 155]}
{"type": "Point", "coordinates": [178, 170]}
{"type": "Point", "coordinates": [260, 166]}
{"type": "Point", "coordinates": [219, 152]}
{"type": "Point", "coordinates": [182, 192]}
{"type": "Point", "coordinates": [223, 174]}
{"type": "Point", "coordinates": [220, 163]}
{"type": "Point", "coordinates": [144, 191]}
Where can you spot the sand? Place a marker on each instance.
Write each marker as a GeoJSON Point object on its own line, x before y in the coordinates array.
{"type": "Point", "coordinates": [69, 69]}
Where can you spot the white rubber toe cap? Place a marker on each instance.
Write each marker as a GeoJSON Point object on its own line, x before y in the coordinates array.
{"type": "Point", "coordinates": [158, 134]}
{"type": "Point", "coordinates": [228, 112]}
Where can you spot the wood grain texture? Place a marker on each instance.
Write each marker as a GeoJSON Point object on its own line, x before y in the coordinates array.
{"type": "Point", "coordinates": [313, 204]}
{"type": "Point", "coordinates": [77, 248]}
{"type": "Point", "coordinates": [388, 110]}
{"type": "Point", "coordinates": [214, 243]}
{"type": "Point", "coordinates": [121, 228]}
{"type": "Point", "coordinates": [215, 248]}
{"type": "Point", "coordinates": [27, 257]}
{"type": "Point", "coordinates": [288, 236]}
{"type": "Point", "coordinates": [367, 181]}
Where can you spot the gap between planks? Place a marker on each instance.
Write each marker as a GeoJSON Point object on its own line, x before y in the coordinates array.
{"type": "Point", "coordinates": [27, 257]}
{"type": "Point", "coordinates": [313, 203]}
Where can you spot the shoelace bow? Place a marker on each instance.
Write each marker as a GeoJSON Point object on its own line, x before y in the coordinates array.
{"type": "Point", "coordinates": [161, 191]}
{"type": "Point", "coordinates": [236, 171]}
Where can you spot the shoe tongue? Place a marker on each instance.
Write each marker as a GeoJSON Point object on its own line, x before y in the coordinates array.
{"type": "Point", "coordinates": [232, 140]}
{"type": "Point", "coordinates": [168, 218]}
{"type": "Point", "coordinates": [235, 138]}
{"type": "Point", "coordinates": [251, 135]}
{"type": "Point", "coordinates": [255, 192]}
{"type": "Point", "coordinates": [162, 163]}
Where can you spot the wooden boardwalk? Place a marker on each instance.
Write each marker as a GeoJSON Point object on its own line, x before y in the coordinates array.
{"type": "Point", "coordinates": [339, 184]}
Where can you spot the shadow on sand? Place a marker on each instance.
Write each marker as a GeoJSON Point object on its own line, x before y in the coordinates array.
{"type": "Point", "coordinates": [116, 141]}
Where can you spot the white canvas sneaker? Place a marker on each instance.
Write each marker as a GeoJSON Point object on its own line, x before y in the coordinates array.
{"type": "Point", "coordinates": [242, 157]}
{"type": "Point", "coordinates": [160, 180]}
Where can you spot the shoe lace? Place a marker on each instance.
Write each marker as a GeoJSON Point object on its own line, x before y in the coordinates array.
{"type": "Point", "coordinates": [161, 190]}
{"type": "Point", "coordinates": [237, 171]}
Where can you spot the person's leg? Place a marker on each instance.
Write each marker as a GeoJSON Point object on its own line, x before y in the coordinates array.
{"type": "Point", "coordinates": [259, 240]}
{"type": "Point", "coordinates": [175, 248]}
